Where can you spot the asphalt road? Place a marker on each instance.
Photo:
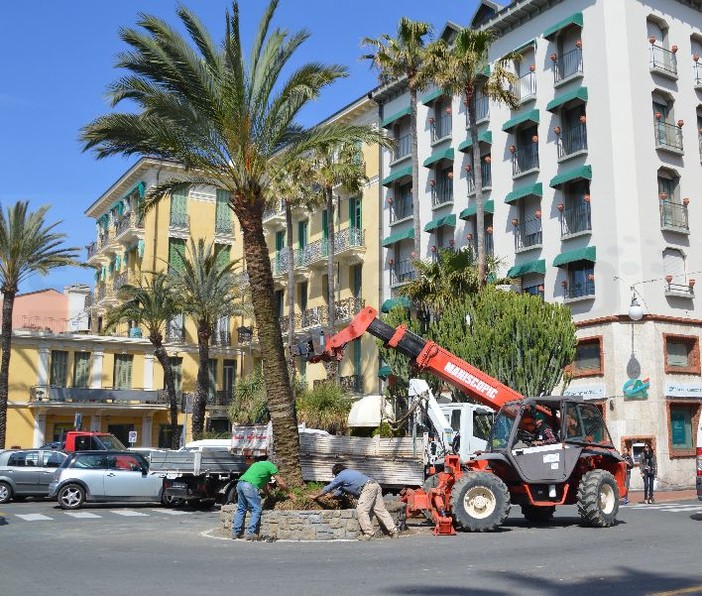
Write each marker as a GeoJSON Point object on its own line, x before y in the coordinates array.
{"type": "Point", "coordinates": [147, 550]}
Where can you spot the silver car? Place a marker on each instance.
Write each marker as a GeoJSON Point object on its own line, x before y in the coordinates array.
{"type": "Point", "coordinates": [104, 476]}
{"type": "Point", "coordinates": [27, 472]}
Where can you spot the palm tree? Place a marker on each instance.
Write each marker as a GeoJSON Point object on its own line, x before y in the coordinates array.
{"type": "Point", "coordinates": [27, 246]}
{"type": "Point", "coordinates": [208, 291]}
{"type": "Point", "coordinates": [152, 304]}
{"type": "Point", "coordinates": [462, 69]}
{"type": "Point", "coordinates": [225, 119]}
{"type": "Point", "coordinates": [405, 56]}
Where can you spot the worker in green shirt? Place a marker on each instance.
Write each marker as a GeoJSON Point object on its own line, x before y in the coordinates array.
{"type": "Point", "coordinates": [257, 477]}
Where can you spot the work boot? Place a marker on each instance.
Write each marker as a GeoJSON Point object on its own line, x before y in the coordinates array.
{"type": "Point", "coordinates": [395, 534]}
{"type": "Point", "coordinates": [365, 537]}
{"type": "Point", "coordinates": [252, 537]}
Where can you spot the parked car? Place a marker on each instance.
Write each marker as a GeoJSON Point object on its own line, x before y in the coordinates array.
{"type": "Point", "coordinates": [27, 472]}
{"type": "Point", "coordinates": [103, 476]}
{"type": "Point", "coordinates": [51, 445]}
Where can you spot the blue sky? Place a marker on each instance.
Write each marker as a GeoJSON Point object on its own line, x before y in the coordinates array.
{"type": "Point", "coordinates": [58, 59]}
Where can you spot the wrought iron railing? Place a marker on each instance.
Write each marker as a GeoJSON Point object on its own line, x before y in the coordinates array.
{"type": "Point", "coordinates": [220, 399]}
{"type": "Point", "coordinates": [668, 136]}
{"type": "Point", "coordinates": [580, 289]}
{"type": "Point", "coordinates": [482, 109]}
{"type": "Point", "coordinates": [572, 140]}
{"type": "Point", "coordinates": [528, 233]}
{"type": "Point", "coordinates": [401, 208]}
{"type": "Point", "coordinates": [674, 216]}
{"type": "Point", "coordinates": [352, 383]}
{"type": "Point", "coordinates": [318, 316]}
{"type": "Point", "coordinates": [576, 219]}
{"type": "Point", "coordinates": [697, 74]}
{"type": "Point", "coordinates": [50, 393]}
{"type": "Point", "coordinates": [221, 337]}
{"type": "Point", "coordinates": [525, 158]}
{"type": "Point", "coordinates": [442, 192]}
{"type": "Point", "coordinates": [402, 272]}
{"type": "Point", "coordinates": [130, 221]}
{"type": "Point", "coordinates": [441, 127]}
{"type": "Point", "coordinates": [486, 170]}
{"type": "Point", "coordinates": [489, 245]}
{"type": "Point", "coordinates": [93, 249]}
{"type": "Point", "coordinates": [663, 60]}
{"type": "Point", "coordinates": [277, 210]}
{"type": "Point", "coordinates": [403, 147]}
{"type": "Point", "coordinates": [567, 65]}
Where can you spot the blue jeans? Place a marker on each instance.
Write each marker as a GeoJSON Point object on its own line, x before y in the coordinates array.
{"type": "Point", "coordinates": [248, 499]}
{"type": "Point", "coordinates": [648, 486]}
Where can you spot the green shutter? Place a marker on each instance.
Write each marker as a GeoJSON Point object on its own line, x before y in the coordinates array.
{"type": "Point", "coordinates": [59, 368]}
{"type": "Point", "coordinates": [325, 225]}
{"type": "Point", "coordinates": [279, 241]}
{"type": "Point", "coordinates": [176, 253]}
{"type": "Point", "coordinates": [123, 371]}
{"type": "Point", "coordinates": [223, 214]}
{"type": "Point", "coordinates": [355, 215]}
{"type": "Point", "coordinates": [81, 370]}
{"type": "Point", "coordinates": [179, 207]}
{"type": "Point", "coordinates": [302, 233]}
{"type": "Point", "coordinates": [357, 357]}
{"type": "Point", "coordinates": [223, 252]}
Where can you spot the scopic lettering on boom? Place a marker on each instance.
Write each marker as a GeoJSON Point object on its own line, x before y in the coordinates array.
{"type": "Point", "coordinates": [468, 378]}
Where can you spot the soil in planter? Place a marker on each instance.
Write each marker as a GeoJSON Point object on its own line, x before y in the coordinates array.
{"type": "Point", "coordinates": [300, 499]}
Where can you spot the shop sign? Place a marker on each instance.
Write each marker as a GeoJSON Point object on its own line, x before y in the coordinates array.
{"type": "Point", "coordinates": [693, 390]}
{"type": "Point", "coordinates": [586, 391]}
{"type": "Point", "coordinates": [636, 388]}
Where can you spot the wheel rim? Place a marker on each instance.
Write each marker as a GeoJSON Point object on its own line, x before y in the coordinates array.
{"type": "Point", "coordinates": [70, 496]}
{"type": "Point", "coordinates": [4, 492]}
{"type": "Point", "coordinates": [479, 502]}
{"type": "Point", "coordinates": [607, 498]}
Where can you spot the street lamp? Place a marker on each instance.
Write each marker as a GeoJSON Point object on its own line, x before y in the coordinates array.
{"type": "Point", "coordinates": [636, 311]}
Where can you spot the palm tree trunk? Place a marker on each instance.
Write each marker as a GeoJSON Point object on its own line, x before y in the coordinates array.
{"type": "Point", "coordinates": [415, 173]}
{"type": "Point", "coordinates": [478, 179]}
{"type": "Point", "coordinates": [165, 362]}
{"type": "Point", "coordinates": [204, 332]}
{"type": "Point", "coordinates": [291, 292]}
{"type": "Point", "coordinates": [281, 404]}
{"type": "Point", "coordinates": [8, 305]}
{"type": "Point", "coordinates": [332, 367]}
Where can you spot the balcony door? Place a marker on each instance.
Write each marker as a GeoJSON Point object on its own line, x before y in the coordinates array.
{"type": "Point", "coordinates": [355, 214]}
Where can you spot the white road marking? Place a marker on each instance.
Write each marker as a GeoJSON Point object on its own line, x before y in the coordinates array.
{"type": "Point", "coordinates": [129, 513]}
{"type": "Point", "coordinates": [82, 514]}
{"type": "Point", "coordinates": [33, 517]}
{"type": "Point", "coordinates": [172, 511]}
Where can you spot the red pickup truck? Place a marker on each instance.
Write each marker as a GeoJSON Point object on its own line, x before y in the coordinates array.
{"type": "Point", "coordinates": [80, 440]}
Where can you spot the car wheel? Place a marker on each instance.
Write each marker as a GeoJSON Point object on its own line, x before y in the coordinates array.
{"type": "Point", "coordinates": [71, 496]}
{"type": "Point", "coordinates": [5, 492]}
{"type": "Point", "coordinates": [169, 501]}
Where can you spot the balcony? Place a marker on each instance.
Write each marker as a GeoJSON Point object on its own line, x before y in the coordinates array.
{"type": "Point", "coordinates": [489, 245]}
{"type": "Point", "coordinates": [129, 227]}
{"type": "Point", "coordinates": [352, 383]}
{"type": "Point", "coordinates": [401, 208]}
{"type": "Point", "coordinates": [482, 110]}
{"type": "Point", "coordinates": [568, 66]}
{"type": "Point", "coordinates": [349, 244]}
{"type": "Point", "coordinates": [572, 141]}
{"type": "Point", "coordinates": [318, 316]}
{"type": "Point", "coordinates": [442, 193]}
{"type": "Point", "coordinates": [668, 137]}
{"type": "Point", "coordinates": [575, 220]}
{"type": "Point", "coordinates": [74, 395]}
{"type": "Point", "coordinates": [697, 74]}
{"type": "Point", "coordinates": [279, 263]}
{"type": "Point", "coordinates": [175, 334]}
{"type": "Point", "coordinates": [403, 148]}
{"type": "Point", "coordinates": [122, 279]}
{"type": "Point", "coordinates": [179, 222]}
{"type": "Point", "coordinates": [274, 217]}
{"type": "Point", "coordinates": [486, 170]}
{"type": "Point", "coordinates": [579, 289]}
{"type": "Point", "coordinates": [402, 273]}
{"type": "Point", "coordinates": [663, 62]}
{"type": "Point", "coordinates": [440, 127]}
{"type": "Point", "coordinates": [528, 234]}
{"type": "Point", "coordinates": [525, 160]}
{"type": "Point", "coordinates": [676, 289]}
{"type": "Point", "coordinates": [220, 399]}
{"type": "Point", "coordinates": [221, 337]}
{"type": "Point", "coordinates": [674, 216]}
{"type": "Point", "coordinates": [525, 88]}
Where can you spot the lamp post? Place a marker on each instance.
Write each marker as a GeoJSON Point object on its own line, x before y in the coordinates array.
{"type": "Point", "coordinates": [636, 311]}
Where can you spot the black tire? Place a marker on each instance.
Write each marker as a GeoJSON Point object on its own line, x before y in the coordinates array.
{"type": "Point", "coordinates": [598, 499]}
{"type": "Point", "coordinates": [169, 501]}
{"type": "Point", "coordinates": [231, 498]}
{"type": "Point", "coordinates": [71, 496]}
{"type": "Point", "coordinates": [431, 482]}
{"type": "Point", "coordinates": [538, 515]}
{"type": "Point", "coordinates": [479, 502]}
{"type": "Point", "coordinates": [5, 492]}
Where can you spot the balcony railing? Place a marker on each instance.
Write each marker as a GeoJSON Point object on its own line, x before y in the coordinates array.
{"type": "Point", "coordinates": [176, 334]}
{"type": "Point", "coordinates": [352, 383]}
{"type": "Point", "coordinates": [276, 212]}
{"type": "Point", "coordinates": [580, 289]}
{"type": "Point", "coordinates": [129, 222]}
{"type": "Point", "coordinates": [482, 110]}
{"type": "Point", "coordinates": [402, 272]}
{"type": "Point", "coordinates": [224, 226]}
{"type": "Point", "coordinates": [525, 87]}
{"type": "Point", "coordinates": [93, 249]}
{"type": "Point", "coordinates": [674, 216]}
{"type": "Point", "coordinates": [682, 288]}
{"type": "Point", "coordinates": [47, 393]}
{"type": "Point", "coordinates": [697, 74]}
{"type": "Point", "coordinates": [575, 220]}
{"type": "Point", "coordinates": [572, 140]}
{"type": "Point", "coordinates": [403, 147]}
{"type": "Point", "coordinates": [442, 192]}
{"type": "Point", "coordinates": [280, 262]}
{"type": "Point", "coordinates": [668, 136]}
{"type": "Point", "coordinates": [221, 337]}
{"type": "Point", "coordinates": [179, 221]}
{"type": "Point", "coordinates": [525, 159]}
{"type": "Point", "coordinates": [220, 399]}
{"type": "Point", "coordinates": [401, 208]}
{"type": "Point", "coordinates": [486, 170]}
{"type": "Point", "coordinates": [663, 61]}
{"type": "Point", "coordinates": [441, 127]}
{"type": "Point", "coordinates": [489, 245]}
{"type": "Point", "coordinates": [528, 234]}
{"type": "Point", "coordinates": [568, 65]}
{"type": "Point", "coordinates": [318, 316]}
{"type": "Point", "coordinates": [345, 240]}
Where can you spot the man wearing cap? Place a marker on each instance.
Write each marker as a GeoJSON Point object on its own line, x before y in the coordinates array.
{"type": "Point", "coordinates": [370, 498]}
{"type": "Point", "coordinates": [544, 434]}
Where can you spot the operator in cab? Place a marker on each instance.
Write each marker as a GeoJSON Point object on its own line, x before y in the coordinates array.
{"type": "Point", "coordinates": [544, 434]}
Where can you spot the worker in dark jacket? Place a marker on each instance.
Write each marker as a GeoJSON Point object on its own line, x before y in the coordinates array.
{"type": "Point", "coordinates": [544, 434]}
{"type": "Point", "coordinates": [370, 499]}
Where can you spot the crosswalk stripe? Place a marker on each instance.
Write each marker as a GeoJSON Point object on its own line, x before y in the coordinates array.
{"type": "Point", "coordinates": [172, 511]}
{"type": "Point", "coordinates": [83, 514]}
{"type": "Point", "coordinates": [129, 513]}
{"type": "Point", "coordinates": [33, 517]}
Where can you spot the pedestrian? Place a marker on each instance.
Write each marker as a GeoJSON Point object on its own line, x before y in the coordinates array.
{"type": "Point", "coordinates": [255, 479]}
{"type": "Point", "coordinates": [626, 455]}
{"type": "Point", "coordinates": [370, 499]}
{"type": "Point", "coordinates": [647, 465]}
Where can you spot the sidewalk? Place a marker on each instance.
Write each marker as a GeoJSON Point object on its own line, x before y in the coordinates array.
{"type": "Point", "coordinates": [662, 496]}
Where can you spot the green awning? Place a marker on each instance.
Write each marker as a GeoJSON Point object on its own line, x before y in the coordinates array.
{"type": "Point", "coordinates": [396, 175]}
{"type": "Point", "coordinates": [489, 207]}
{"type": "Point", "coordinates": [391, 303]}
{"type": "Point", "coordinates": [483, 137]}
{"type": "Point", "coordinates": [524, 46]}
{"type": "Point", "coordinates": [574, 19]}
{"type": "Point", "coordinates": [531, 116]}
{"type": "Point", "coordinates": [446, 220]}
{"type": "Point", "coordinates": [390, 119]}
{"type": "Point", "coordinates": [384, 371]}
{"type": "Point", "coordinates": [588, 253]}
{"type": "Point", "coordinates": [438, 156]}
{"type": "Point", "coordinates": [581, 173]}
{"type": "Point", "coordinates": [580, 93]}
{"type": "Point", "coordinates": [432, 96]}
{"type": "Point", "coordinates": [486, 71]}
{"type": "Point", "coordinates": [390, 240]}
{"type": "Point", "coordinates": [530, 267]}
{"type": "Point", "coordinates": [536, 190]}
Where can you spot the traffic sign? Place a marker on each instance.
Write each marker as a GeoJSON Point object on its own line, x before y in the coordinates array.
{"type": "Point", "coordinates": [132, 436]}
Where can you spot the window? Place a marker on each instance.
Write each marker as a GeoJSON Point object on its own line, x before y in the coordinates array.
{"type": "Point", "coordinates": [302, 293]}
{"type": "Point", "coordinates": [682, 354]}
{"type": "Point", "coordinates": [581, 279]}
{"type": "Point", "coordinates": [177, 370]}
{"type": "Point", "coordinates": [302, 233]}
{"type": "Point", "coordinates": [176, 254]}
{"type": "Point", "coordinates": [81, 370]}
{"type": "Point", "coordinates": [223, 214]}
{"type": "Point", "coordinates": [212, 378]}
{"type": "Point", "coordinates": [673, 211]}
{"type": "Point", "coordinates": [280, 303]}
{"type": "Point", "coordinates": [588, 357]}
{"type": "Point", "coordinates": [123, 371]}
{"type": "Point", "coordinates": [24, 459]}
{"type": "Point", "coordinates": [223, 255]}
{"type": "Point", "coordinates": [575, 210]}
{"type": "Point", "coordinates": [179, 210]}
{"type": "Point", "coordinates": [175, 330]}
{"type": "Point", "coordinates": [164, 435]}
{"type": "Point", "coordinates": [683, 419]}
{"type": "Point", "coordinates": [526, 156]}
{"type": "Point", "coordinates": [355, 213]}
{"type": "Point", "coordinates": [59, 368]}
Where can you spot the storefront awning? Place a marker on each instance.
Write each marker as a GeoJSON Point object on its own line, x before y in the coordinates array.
{"type": "Point", "coordinates": [530, 267]}
{"type": "Point", "coordinates": [589, 253]}
{"type": "Point", "coordinates": [581, 173]}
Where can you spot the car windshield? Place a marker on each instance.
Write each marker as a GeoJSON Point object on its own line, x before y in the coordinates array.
{"type": "Point", "coordinates": [110, 443]}
{"type": "Point", "coordinates": [502, 427]}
